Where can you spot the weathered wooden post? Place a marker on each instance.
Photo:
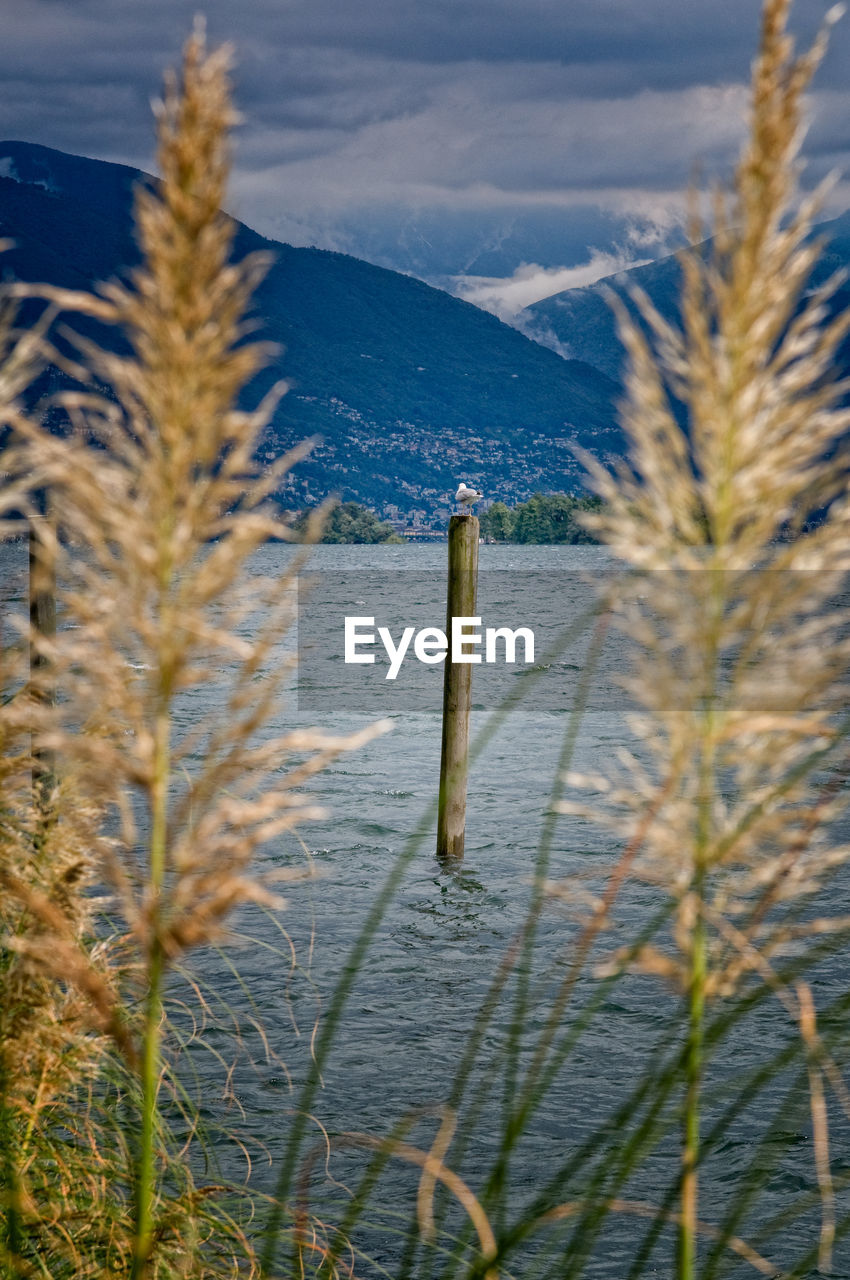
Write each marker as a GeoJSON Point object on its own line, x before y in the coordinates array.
{"type": "Point", "coordinates": [457, 689]}
{"type": "Point", "coordinates": [42, 603]}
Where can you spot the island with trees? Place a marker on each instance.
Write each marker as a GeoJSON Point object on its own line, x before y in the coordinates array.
{"type": "Point", "coordinates": [546, 517]}
{"type": "Point", "coordinates": [350, 522]}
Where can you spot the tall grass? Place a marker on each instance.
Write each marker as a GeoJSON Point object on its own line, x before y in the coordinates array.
{"type": "Point", "coordinates": [160, 506]}
{"type": "Point", "coordinates": [735, 515]}
{"type": "Point", "coordinates": [732, 512]}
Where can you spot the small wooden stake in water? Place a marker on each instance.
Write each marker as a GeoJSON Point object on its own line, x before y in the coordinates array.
{"type": "Point", "coordinates": [457, 690]}
{"type": "Point", "coordinates": [42, 601]}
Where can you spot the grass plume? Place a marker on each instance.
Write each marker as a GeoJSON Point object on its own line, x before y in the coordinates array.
{"type": "Point", "coordinates": [733, 512]}
{"type": "Point", "coordinates": [161, 505]}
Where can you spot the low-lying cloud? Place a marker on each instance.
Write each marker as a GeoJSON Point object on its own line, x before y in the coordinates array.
{"type": "Point", "coordinates": [530, 283]}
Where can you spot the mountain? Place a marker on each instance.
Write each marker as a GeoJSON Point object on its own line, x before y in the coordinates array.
{"type": "Point", "coordinates": [580, 323]}
{"type": "Point", "coordinates": [410, 389]}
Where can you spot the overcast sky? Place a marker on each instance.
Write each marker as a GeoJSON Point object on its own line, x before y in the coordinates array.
{"type": "Point", "coordinates": [466, 122]}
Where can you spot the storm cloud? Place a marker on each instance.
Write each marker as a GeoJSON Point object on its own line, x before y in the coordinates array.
{"type": "Point", "coordinates": [429, 134]}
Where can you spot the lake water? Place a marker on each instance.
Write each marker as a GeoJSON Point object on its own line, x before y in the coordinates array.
{"type": "Point", "coordinates": [439, 945]}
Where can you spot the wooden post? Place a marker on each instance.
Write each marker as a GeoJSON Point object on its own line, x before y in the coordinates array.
{"type": "Point", "coordinates": [457, 690]}
{"type": "Point", "coordinates": [42, 602]}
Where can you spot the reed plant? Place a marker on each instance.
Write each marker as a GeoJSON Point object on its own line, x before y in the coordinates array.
{"type": "Point", "coordinates": [159, 506]}
{"type": "Point", "coordinates": [732, 510]}
{"type": "Point", "coordinates": [53, 1154]}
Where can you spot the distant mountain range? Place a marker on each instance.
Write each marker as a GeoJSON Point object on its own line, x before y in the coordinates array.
{"type": "Point", "coordinates": [410, 389]}
{"type": "Point", "coordinates": [440, 245]}
{"type": "Point", "coordinates": [580, 323]}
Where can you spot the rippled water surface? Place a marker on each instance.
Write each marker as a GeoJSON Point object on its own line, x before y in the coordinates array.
{"type": "Point", "coordinates": [436, 952]}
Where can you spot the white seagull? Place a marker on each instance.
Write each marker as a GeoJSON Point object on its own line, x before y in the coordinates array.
{"type": "Point", "coordinates": [466, 496]}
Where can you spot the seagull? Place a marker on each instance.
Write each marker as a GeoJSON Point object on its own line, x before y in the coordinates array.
{"type": "Point", "coordinates": [466, 496]}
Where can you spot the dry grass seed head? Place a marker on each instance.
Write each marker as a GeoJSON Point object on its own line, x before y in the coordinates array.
{"type": "Point", "coordinates": [161, 504]}
{"type": "Point", "coordinates": [739, 681]}
{"type": "Point", "coordinates": [168, 516]}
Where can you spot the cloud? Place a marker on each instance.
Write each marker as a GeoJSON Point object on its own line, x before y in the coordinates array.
{"type": "Point", "coordinates": [475, 141]}
{"type": "Point", "coordinates": [530, 283]}
{"type": "Point", "coordinates": [464, 106]}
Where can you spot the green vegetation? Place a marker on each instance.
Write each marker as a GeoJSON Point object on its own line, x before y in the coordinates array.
{"type": "Point", "coordinates": [349, 522]}
{"type": "Point", "coordinates": [547, 517]}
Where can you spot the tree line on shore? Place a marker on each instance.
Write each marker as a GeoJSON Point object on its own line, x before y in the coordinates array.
{"type": "Point", "coordinates": [349, 522]}
{"type": "Point", "coordinates": [546, 517]}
